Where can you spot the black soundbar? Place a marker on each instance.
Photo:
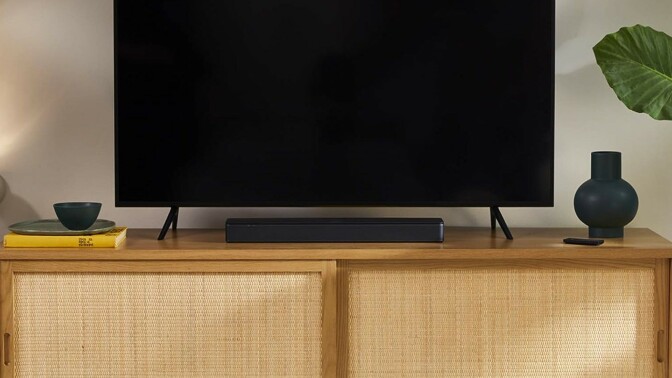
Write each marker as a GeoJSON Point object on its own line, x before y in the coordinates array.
{"type": "Point", "coordinates": [333, 230]}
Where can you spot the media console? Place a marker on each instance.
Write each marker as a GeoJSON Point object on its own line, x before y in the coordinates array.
{"type": "Point", "coordinates": [478, 304]}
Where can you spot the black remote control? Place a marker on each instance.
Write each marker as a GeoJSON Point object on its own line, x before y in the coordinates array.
{"type": "Point", "coordinates": [582, 241]}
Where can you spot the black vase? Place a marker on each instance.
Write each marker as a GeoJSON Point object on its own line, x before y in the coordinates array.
{"type": "Point", "coordinates": [606, 202]}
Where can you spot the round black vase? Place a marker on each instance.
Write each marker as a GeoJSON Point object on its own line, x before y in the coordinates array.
{"type": "Point", "coordinates": [606, 202]}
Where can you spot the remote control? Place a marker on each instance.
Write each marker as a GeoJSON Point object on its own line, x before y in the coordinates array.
{"type": "Point", "coordinates": [582, 241]}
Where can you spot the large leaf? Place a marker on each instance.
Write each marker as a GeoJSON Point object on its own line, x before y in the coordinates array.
{"type": "Point", "coordinates": [637, 62]}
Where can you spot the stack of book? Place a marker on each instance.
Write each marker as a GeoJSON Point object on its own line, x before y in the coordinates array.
{"type": "Point", "coordinates": [110, 239]}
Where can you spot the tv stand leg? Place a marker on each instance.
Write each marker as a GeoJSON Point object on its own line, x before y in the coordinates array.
{"type": "Point", "coordinates": [171, 219]}
{"type": "Point", "coordinates": [496, 217]}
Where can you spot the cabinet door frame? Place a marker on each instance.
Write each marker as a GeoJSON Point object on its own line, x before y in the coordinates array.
{"type": "Point", "coordinates": [662, 292]}
{"type": "Point", "coordinates": [327, 269]}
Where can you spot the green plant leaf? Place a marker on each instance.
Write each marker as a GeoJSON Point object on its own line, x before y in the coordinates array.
{"type": "Point", "coordinates": [637, 62]}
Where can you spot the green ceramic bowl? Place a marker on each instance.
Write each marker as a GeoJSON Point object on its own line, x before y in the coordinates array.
{"type": "Point", "coordinates": [77, 215]}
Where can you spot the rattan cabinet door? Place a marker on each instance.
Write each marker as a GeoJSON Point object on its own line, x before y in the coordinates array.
{"type": "Point", "coordinates": [514, 319]}
{"type": "Point", "coordinates": [221, 319]}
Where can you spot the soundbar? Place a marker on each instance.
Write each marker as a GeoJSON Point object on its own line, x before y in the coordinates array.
{"type": "Point", "coordinates": [333, 230]}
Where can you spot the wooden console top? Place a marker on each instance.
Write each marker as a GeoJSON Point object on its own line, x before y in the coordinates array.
{"type": "Point", "coordinates": [460, 244]}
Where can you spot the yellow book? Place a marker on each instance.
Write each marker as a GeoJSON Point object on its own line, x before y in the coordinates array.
{"type": "Point", "coordinates": [109, 239]}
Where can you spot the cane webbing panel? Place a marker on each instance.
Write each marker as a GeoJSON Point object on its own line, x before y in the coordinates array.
{"type": "Point", "coordinates": [167, 324]}
{"type": "Point", "coordinates": [498, 322]}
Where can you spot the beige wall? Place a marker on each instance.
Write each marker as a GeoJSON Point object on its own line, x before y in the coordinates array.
{"type": "Point", "coordinates": [56, 119]}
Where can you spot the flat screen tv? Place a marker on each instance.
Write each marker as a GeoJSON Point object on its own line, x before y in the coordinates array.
{"type": "Point", "coordinates": [282, 103]}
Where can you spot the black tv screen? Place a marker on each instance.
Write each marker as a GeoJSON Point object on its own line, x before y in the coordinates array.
{"type": "Point", "coordinates": [334, 102]}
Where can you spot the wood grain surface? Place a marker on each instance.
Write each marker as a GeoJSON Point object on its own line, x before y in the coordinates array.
{"type": "Point", "coordinates": [460, 243]}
